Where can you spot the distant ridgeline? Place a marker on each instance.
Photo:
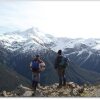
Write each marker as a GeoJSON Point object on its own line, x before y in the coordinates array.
{"type": "Point", "coordinates": [17, 50]}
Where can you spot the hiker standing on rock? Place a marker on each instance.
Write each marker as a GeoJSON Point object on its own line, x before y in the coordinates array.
{"type": "Point", "coordinates": [36, 66]}
{"type": "Point", "coordinates": [60, 66]}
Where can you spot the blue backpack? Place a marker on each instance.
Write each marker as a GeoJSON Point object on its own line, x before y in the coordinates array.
{"type": "Point", "coordinates": [35, 65]}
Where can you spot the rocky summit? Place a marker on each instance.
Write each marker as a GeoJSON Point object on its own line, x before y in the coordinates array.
{"type": "Point", "coordinates": [71, 89]}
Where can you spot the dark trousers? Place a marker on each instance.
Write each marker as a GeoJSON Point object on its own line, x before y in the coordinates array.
{"type": "Point", "coordinates": [34, 85]}
{"type": "Point", "coordinates": [61, 75]}
{"type": "Point", "coordinates": [35, 80]}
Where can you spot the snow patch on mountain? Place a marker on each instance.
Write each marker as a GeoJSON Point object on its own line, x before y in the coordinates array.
{"type": "Point", "coordinates": [89, 54]}
{"type": "Point", "coordinates": [77, 43]}
{"type": "Point", "coordinates": [90, 42]}
{"type": "Point", "coordinates": [34, 39]}
{"type": "Point", "coordinates": [80, 52]}
{"type": "Point", "coordinates": [31, 39]}
{"type": "Point", "coordinates": [36, 34]}
{"type": "Point", "coordinates": [11, 38]}
{"type": "Point", "coordinates": [97, 47]}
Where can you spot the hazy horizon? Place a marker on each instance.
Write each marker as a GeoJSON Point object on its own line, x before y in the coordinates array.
{"type": "Point", "coordinates": [72, 19]}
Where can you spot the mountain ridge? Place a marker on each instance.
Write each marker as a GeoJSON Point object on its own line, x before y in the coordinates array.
{"type": "Point", "coordinates": [17, 50]}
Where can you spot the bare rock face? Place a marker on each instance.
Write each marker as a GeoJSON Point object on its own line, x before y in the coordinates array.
{"type": "Point", "coordinates": [71, 89]}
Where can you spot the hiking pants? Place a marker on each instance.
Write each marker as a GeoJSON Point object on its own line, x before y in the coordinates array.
{"type": "Point", "coordinates": [61, 75]}
{"type": "Point", "coordinates": [35, 79]}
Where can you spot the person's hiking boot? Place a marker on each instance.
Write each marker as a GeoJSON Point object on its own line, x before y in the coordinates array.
{"type": "Point", "coordinates": [64, 83]}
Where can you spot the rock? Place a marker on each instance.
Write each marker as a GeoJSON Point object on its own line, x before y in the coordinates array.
{"type": "Point", "coordinates": [54, 94]}
{"type": "Point", "coordinates": [22, 91]}
{"type": "Point", "coordinates": [85, 85]}
{"type": "Point", "coordinates": [45, 92]}
{"type": "Point", "coordinates": [54, 86]}
{"type": "Point", "coordinates": [71, 89]}
{"type": "Point", "coordinates": [50, 90]}
{"type": "Point", "coordinates": [25, 88]}
{"type": "Point", "coordinates": [45, 88]}
{"type": "Point", "coordinates": [85, 89]}
{"type": "Point", "coordinates": [71, 85]}
{"type": "Point", "coordinates": [65, 93]}
{"type": "Point", "coordinates": [19, 92]}
{"type": "Point", "coordinates": [28, 93]}
{"type": "Point", "coordinates": [75, 92]}
{"type": "Point", "coordinates": [4, 94]}
{"type": "Point", "coordinates": [80, 89]}
{"type": "Point", "coordinates": [91, 89]}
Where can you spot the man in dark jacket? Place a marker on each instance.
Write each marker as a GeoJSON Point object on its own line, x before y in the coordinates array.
{"type": "Point", "coordinates": [60, 69]}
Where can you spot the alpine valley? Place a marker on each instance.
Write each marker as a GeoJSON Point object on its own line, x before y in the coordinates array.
{"type": "Point", "coordinates": [17, 49]}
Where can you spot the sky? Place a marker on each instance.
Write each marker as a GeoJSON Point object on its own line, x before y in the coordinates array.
{"type": "Point", "coordinates": [73, 19]}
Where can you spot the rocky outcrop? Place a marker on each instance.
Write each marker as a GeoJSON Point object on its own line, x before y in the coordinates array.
{"type": "Point", "coordinates": [71, 89]}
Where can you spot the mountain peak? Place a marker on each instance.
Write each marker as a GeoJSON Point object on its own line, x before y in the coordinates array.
{"type": "Point", "coordinates": [34, 35]}
{"type": "Point", "coordinates": [32, 30]}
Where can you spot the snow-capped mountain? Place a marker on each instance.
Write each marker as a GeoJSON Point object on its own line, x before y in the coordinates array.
{"type": "Point", "coordinates": [17, 48]}
{"type": "Point", "coordinates": [31, 39]}
{"type": "Point", "coordinates": [76, 43]}
{"type": "Point", "coordinates": [34, 40]}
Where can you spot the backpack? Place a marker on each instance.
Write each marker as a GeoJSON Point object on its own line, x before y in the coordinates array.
{"type": "Point", "coordinates": [42, 66]}
{"type": "Point", "coordinates": [35, 65]}
{"type": "Point", "coordinates": [64, 62]}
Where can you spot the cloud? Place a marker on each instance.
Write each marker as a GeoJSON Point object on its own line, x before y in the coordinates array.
{"type": "Point", "coordinates": [71, 19]}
